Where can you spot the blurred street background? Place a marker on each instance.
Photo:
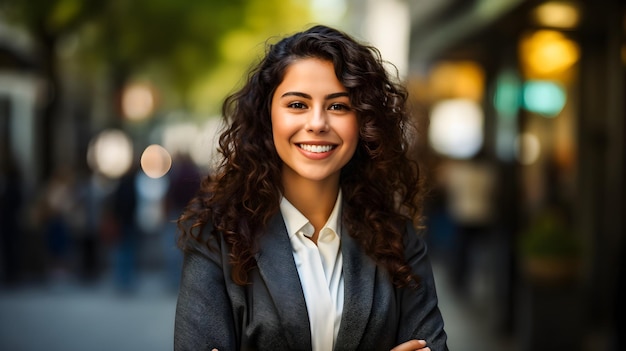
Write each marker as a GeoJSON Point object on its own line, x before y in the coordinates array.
{"type": "Point", "coordinates": [108, 117]}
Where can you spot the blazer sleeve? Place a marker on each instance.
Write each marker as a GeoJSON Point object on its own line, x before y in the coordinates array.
{"type": "Point", "coordinates": [420, 317]}
{"type": "Point", "coordinates": [204, 318]}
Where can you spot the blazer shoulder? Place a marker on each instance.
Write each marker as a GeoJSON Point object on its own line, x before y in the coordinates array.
{"type": "Point", "coordinates": [413, 239]}
{"type": "Point", "coordinates": [199, 238]}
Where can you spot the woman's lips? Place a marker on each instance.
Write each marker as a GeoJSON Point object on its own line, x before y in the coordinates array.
{"type": "Point", "coordinates": [316, 151]}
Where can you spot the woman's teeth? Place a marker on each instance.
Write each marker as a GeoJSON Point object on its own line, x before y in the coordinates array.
{"type": "Point", "coordinates": [316, 148]}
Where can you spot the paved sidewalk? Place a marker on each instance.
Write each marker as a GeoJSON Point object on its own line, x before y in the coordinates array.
{"type": "Point", "coordinates": [76, 318]}
{"type": "Point", "coordinates": [468, 326]}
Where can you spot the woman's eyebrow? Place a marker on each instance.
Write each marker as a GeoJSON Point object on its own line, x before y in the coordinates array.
{"type": "Point", "coordinates": [296, 93]}
{"type": "Point", "coordinates": [336, 95]}
{"type": "Point", "coordinates": [307, 96]}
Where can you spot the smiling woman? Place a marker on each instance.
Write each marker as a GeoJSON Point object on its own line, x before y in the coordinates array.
{"type": "Point", "coordinates": [314, 128]}
{"type": "Point", "coordinates": [303, 238]}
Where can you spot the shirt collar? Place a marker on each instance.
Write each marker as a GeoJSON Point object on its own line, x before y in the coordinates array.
{"type": "Point", "coordinates": [295, 221]}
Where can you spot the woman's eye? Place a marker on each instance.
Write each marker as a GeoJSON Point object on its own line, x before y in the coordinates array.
{"type": "Point", "coordinates": [296, 105]}
{"type": "Point", "coordinates": [339, 107]}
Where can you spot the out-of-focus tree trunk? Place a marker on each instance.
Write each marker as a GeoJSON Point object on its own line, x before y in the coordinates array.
{"type": "Point", "coordinates": [50, 99]}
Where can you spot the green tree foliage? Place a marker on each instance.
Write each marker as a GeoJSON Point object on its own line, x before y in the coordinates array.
{"type": "Point", "coordinates": [184, 44]}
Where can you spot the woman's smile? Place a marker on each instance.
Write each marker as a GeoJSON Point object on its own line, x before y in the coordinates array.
{"type": "Point", "coordinates": [316, 148]}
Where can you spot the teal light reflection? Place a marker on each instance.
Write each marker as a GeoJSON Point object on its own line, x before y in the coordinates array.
{"type": "Point", "coordinates": [543, 97]}
{"type": "Point", "coordinates": [506, 99]}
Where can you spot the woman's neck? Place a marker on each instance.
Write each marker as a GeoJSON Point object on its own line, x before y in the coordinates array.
{"type": "Point", "coordinates": [315, 200]}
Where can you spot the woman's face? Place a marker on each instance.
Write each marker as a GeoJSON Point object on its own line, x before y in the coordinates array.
{"type": "Point", "coordinates": [314, 127]}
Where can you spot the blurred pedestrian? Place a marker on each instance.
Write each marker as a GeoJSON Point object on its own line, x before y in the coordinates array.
{"type": "Point", "coordinates": [304, 237]}
{"type": "Point", "coordinates": [126, 244]}
{"type": "Point", "coordinates": [184, 178]}
{"type": "Point", "coordinates": [54, 212]}
{"type": "Point", "coordinates": [91, 192]}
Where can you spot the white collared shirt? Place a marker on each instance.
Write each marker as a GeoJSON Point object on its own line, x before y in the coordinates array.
{"type": "Point", "coordinates": [320, 270]}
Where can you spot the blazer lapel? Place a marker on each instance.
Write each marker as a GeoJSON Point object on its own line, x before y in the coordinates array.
{"type": "Point", "coordinates": [278, 269]}
{"type": "Point", "coordinates": [359, 273]}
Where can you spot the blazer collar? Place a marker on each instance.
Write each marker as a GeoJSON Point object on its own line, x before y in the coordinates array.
{"type": "Point", "coordinates": [278, 269]}
{"type": "Point", "coordinates": [359, 273]}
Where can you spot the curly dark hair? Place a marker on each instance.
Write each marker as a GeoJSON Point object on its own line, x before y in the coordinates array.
{"type": "Point", "coordinates": [381, 184]}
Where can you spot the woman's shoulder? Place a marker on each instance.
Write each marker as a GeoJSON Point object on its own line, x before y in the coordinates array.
{"type": "Point", "coordinates": [198, 236]}
{"type": "Point", "coordinates": [413, 238]}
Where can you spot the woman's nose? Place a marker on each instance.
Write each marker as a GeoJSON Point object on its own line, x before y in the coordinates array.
{"type": "Point", "coordinates": [317, 121]}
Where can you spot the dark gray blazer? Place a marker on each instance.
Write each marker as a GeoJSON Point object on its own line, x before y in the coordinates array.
{"type": "Point", "coordinates": [270, 313]}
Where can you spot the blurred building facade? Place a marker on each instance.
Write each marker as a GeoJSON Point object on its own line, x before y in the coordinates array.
{"type": "Point", "coordinates": [548, 78]}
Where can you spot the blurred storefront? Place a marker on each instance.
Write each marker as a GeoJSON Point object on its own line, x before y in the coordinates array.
{"type": "Point", "coordinates": [525, 107]}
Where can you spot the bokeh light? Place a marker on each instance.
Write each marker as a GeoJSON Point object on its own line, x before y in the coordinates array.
{"type": "Point", "coordinates": [506, 99]}
{"type": "Point", "coordinates": [138, 101]}
{"type": "Point", "coordinates": [110, 153]}
{"type": "Point", "coordinates": [156, 161]}
{"type": "Point", "coordinates": [557, 14]}
{"type": "Point", "coordinates": [507, 103]}
{"type": "Point", "coordinates": [456, 128]}
{"type": "Point", "coordinates": [460, 79]}
{"type": "Point", "coordinates": [543, 97]}
{"type": "Point", "coordinates": [546, 53]}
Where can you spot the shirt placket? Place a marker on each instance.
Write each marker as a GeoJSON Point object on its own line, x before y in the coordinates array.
{"type": "Point", "coordinates": [320, 306]}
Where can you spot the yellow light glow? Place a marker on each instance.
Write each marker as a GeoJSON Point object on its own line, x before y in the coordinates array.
{"type": "Point", "coordinates": [557, 15]}
{"type": "Point", "coordinates": [546, 53]}
{"type": "Point", "coordinates": [457, 80]}
{"type": "Point", "coordinates": [155, 161]}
